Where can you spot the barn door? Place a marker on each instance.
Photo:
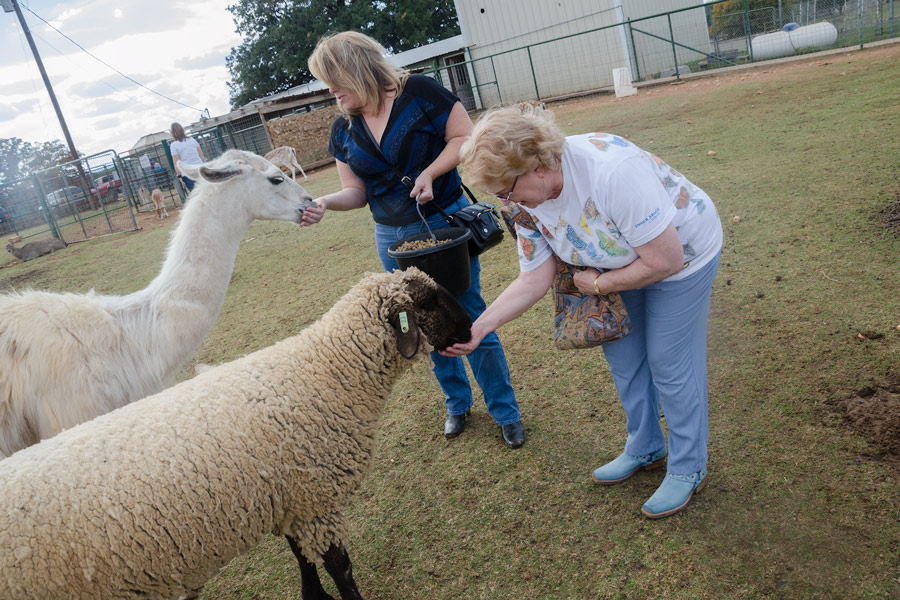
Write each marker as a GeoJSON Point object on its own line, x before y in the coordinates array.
{"type": "Point", "coordinates": [459, 80]}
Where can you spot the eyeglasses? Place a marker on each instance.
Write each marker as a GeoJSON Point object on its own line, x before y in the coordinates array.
{"type": "Point", "coordinates": [506, 199]}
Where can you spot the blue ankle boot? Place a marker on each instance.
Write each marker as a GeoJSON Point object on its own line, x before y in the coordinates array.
{"type": "Point", "coordinates": [673, 494]}
{"type": "Point", "coordinates": [626, 465]}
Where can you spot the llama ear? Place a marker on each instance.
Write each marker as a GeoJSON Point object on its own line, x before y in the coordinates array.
{"type": "Point", "coordinates": [408, 336]}
{"type": "Point", "coordinates": [218, 175]}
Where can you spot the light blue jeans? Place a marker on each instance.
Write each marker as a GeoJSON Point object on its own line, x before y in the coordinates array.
{"type": "Point", "coordinates": [663, 363]}
{"type": "Point", "coordinates": [488, 361]}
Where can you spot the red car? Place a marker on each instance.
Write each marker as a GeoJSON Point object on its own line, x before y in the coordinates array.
{"type": "Point", "coordinates": [108, 184]}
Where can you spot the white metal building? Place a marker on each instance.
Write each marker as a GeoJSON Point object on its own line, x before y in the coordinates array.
{"type": "Point", "coordinates": [572, 62]}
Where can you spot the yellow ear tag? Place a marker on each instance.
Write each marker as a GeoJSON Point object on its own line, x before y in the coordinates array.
{"type": "Point", "coordinates": [404, 323]}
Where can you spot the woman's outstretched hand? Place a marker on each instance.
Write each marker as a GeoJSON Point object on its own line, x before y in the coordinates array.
{"type": "Point", "coordinates": [463, 349]}
{"type": "Point", "coordinates": [313, 214]}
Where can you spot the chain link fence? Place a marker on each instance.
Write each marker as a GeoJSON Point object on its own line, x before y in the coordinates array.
{"type": "Point", "coordinates": [73, 202]}
{"type": "Point", "coordinates": [104, 193]}
{"type": "Point", "coordinates": [702, 37]}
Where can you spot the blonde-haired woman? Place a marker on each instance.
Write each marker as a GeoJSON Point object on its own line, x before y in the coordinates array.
{"type": "Point", "coordinates": [397, 141]}
{"type": "Point", "coordinates": [187, 150]}
{"type": "Point", "coordinates": [635, 226]}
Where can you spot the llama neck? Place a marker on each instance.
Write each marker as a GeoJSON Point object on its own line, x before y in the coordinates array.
{"type": "Point", "coordinates": [187, 295]}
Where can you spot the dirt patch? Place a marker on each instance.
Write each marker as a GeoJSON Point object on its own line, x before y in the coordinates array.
{"type": "Point", "coordinates": [889, 218]}
{"type": "Point", "coordinates": [10, 284]}
{"type": "Point", "coordinates": [147, 219]}
{"type": "Point", "coordinates": [875, 413]}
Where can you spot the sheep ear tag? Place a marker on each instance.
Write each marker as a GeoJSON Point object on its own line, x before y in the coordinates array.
{"type": "Point", "coordinates": [407, 335]}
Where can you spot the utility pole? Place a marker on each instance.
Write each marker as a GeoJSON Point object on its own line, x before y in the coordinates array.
{"type": "Point", "coordinates": [13, 6]}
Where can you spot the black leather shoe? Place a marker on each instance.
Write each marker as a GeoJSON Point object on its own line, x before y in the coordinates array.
{"type": "Point", "coordinates": [513, 434]}
{"type": "Point", "coordinates": [454, 425]}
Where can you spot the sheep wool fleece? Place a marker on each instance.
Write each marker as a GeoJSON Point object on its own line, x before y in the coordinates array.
{"type": "Point", "coordinates": [154, 498]}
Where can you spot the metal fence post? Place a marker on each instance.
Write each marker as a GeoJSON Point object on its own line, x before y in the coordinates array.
{"type": "Point", "coordinates": [637, 66]}
{"type": "Point", "coordinates": [859, 21]}
{"type": "Point", "coordinates": [537, 92]}
{"type": "Point", "coordinates": [48, 216]}
{"type": "Point", "coordinates": [222, 145]}
{"type": "Point", "coordinates": [175, 181]}
{"type": "Point", "coordinates": [747, 25]}
{"type": "Point", "coordinates": [674, 53]}
{"type": "Point", "coordinates": [129, 188]}
{"type": "Point", "coordinates": [497, 83]}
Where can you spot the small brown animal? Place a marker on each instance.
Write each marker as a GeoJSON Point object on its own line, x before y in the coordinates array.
{"type": "Point", "coordinates": [34, 249]}
{"type": "Point", "coordinates": [285, 157]}
{"type": "Point", "coordinates": [159, 203]}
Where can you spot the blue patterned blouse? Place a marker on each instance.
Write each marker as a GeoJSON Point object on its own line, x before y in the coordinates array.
{"type": "Point", "coordinates": [412, 140]}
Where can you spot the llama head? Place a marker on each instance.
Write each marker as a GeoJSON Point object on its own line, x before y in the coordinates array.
{"type": "Point", "coordinates": [244, 178]}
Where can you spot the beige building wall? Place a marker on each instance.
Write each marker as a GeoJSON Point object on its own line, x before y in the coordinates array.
{"type": "Point", "coordinates": [689, 27]}
{"type": "Point", "coordinates": [499, 29]}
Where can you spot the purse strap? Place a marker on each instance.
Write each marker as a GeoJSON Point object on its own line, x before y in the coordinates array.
{"type": "Point", "coordinates": [406, 180]}
{"type": "Point", "coordinates": [517, 216]}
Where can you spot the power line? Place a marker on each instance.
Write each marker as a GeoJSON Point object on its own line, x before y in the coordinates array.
{"type": "Point", "coordinates": [33, 84]}
{"type": "Point", "coordinates": [107, 84]}
{"type": "Point", "coordinates": [83, 49]}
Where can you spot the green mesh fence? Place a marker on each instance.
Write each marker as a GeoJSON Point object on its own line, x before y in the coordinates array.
{"type": "Point", "coordinates": [696, 38]}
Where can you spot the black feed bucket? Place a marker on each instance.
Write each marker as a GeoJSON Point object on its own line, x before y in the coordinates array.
{"type": "Point", "coordinates": [447, 262]}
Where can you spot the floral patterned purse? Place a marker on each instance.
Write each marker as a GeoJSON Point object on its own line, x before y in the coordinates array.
{"type": "Point", "coordinates": [581, 321]}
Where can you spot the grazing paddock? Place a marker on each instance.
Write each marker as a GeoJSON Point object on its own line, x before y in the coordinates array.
{"type": "Point", "coordinates": [803, 499]}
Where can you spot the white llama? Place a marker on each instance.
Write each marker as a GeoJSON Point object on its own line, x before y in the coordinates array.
{"type": "Point", "coordinates": [67, 358]}
{"type": "Point", "coordinates": [285, 157]}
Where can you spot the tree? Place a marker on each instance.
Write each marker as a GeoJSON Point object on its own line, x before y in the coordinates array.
{"type": "Point", "coordinates": [12, 161]}
{"type": "Point", "coordinates": [19, 159]}
{"type": "Point", "coordinates": [406, 24]}
{"type": "Point", "coordinates": [729, 15]}
{"type": "Point", "coordinates": [279, 36]}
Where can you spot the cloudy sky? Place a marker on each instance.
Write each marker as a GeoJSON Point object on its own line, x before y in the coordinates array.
{"type": "Point", "coordinates": [176, 48]}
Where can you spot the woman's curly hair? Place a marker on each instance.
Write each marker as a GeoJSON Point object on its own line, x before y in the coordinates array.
{"type": "Point", "coordinates": [507, 142]}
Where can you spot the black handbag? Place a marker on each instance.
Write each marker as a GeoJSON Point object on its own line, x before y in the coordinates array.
{"type": "Point", "coordinates": [481, 219]}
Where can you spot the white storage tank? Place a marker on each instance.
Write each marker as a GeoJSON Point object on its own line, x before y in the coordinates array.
{"type": "Point", "coordinates": [785, 43]}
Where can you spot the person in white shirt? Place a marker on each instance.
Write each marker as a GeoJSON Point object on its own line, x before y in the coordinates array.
{"type": "Point", "coordinates": [633, 225]}
{"type": "Point", "coordinates": [187, 150]}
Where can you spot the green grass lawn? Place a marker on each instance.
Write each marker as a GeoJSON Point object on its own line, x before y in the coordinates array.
{"type": "Point", "coordinates": [800, 504]}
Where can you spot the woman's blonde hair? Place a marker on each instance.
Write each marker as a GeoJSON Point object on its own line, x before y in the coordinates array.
{"type": "Point", "coordinates": [177, 132]}
{"type": "Point", "coordinates": [353, 61]}
{"type": "Point", "coordinates": [507, 142]}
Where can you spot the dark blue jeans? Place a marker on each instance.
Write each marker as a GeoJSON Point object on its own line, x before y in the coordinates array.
{"type": "Point", "coordinates": [488, 361]}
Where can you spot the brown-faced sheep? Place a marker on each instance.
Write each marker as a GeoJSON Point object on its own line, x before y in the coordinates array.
{"type": "Point", "coordinates": [154, 498]}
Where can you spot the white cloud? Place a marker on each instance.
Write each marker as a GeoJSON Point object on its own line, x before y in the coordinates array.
{"type": "Point", "coordinates": [174, 47]}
